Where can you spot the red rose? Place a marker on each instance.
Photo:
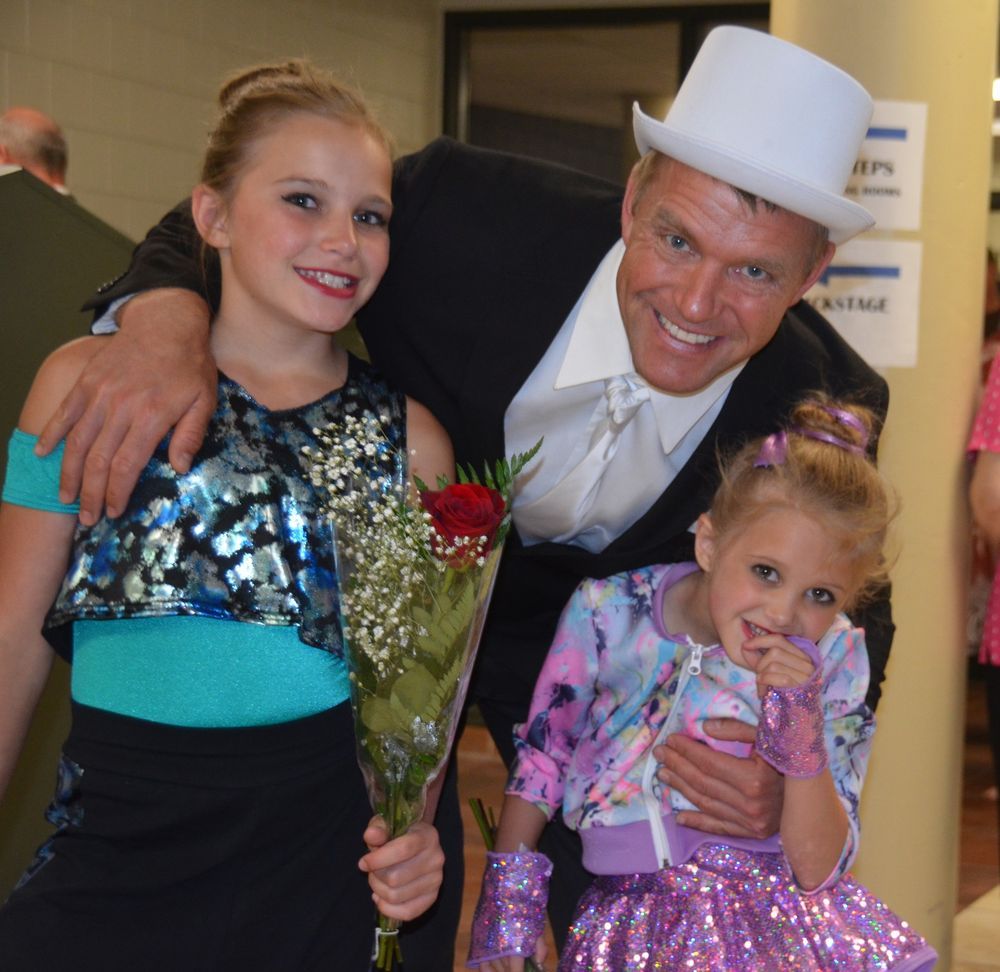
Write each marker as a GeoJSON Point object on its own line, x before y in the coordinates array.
{"type": "Point", "coordinates": [465, 510]}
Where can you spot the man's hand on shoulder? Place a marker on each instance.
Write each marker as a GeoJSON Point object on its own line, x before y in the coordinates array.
{"type": "Point", "coordinates": [157, 373]}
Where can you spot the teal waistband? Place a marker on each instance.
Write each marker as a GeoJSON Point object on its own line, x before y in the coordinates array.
{"type": "Point", "coordinates": [193, 671]}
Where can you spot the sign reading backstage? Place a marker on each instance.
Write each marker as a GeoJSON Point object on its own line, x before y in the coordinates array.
{"type": "Point", "coordinates": [871, 295]}
{"type": "Point", "coordinates": [889, 174]}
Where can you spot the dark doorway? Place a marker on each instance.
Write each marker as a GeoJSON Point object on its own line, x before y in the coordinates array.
{"type": "Point", "coordinates": [559, 84]}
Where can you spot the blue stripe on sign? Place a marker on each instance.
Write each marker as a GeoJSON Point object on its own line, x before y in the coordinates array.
{"type": "Point", "coordinates": [899, 134]}
{"type": "Point", "coordinates": [849, 271]}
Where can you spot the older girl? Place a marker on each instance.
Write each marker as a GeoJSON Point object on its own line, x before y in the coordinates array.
{"type": "Point", "coordinates": [210, 813]}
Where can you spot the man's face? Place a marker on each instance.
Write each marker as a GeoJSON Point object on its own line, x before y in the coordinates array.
{"type": "Point", "coordinates": [705, 281]}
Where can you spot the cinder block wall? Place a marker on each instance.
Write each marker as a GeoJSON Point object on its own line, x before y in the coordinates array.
{"type": "Point", "coordinates": [133, 82]}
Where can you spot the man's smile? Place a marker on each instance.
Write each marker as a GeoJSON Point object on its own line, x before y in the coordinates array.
{"type": "Point", "coordinates": [675, 331]}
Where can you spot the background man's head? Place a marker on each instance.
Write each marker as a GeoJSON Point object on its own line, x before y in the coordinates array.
{"type": "Point", "coordinates": [31, 139]}
{"type": "Point", "coordinates": [734, 209]}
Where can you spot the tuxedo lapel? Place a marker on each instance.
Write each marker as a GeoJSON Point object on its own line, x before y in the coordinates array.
{"type": "Point", "coordinates": [504, 357]}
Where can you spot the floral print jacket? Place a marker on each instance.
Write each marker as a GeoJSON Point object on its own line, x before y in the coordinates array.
{"type": "Point", "coordinates": [616, 683]}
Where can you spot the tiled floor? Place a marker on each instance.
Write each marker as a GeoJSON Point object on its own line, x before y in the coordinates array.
{"type": "Point", "coordinates": [977, 927]}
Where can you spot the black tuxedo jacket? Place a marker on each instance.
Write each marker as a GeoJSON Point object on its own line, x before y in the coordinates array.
{"type": "Point", "coordinates": [489, 254]}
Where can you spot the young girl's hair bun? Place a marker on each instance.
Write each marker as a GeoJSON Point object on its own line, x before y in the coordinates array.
{"type": "Point", "coordinates": [822, 463]}
{"type": "Point", "coordinates": [847, 426]}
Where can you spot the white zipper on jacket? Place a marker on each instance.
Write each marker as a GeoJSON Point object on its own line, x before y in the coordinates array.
{"type": "Point", "coordinates": [653, 804]}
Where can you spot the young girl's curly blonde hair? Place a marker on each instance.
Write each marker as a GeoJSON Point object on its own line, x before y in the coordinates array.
{"type": "Point", "coordinates": [821, 464]}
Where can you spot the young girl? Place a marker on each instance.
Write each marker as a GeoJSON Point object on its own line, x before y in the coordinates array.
{"type": "Point", "coordinates": [210, 812]}
{"type": "Point", "coordinates": [755, 631]}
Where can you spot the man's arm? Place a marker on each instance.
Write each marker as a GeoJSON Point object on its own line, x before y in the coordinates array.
{"type": "Point", "coordinates": [156, 374]}
{"type": "Point", "coordinates": [171, 255]}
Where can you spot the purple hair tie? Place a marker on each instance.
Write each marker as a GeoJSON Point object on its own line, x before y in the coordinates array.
{"type": "Point", "coordinates": [851, 421]}
{"type": "Point", "coordinates": [774, 449]}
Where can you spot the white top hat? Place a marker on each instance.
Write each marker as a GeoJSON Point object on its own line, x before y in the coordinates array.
{"type": "Point", "coordinates": [772, 119]}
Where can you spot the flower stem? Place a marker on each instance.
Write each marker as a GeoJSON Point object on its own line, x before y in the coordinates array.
{"type": "Point", "coordinates": [387, 951]}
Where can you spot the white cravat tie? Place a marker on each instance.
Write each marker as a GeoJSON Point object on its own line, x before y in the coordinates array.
{"type": "Point", "coordinates": [624, 395]}
{"type": "Point", "coordinates": [568, 508]}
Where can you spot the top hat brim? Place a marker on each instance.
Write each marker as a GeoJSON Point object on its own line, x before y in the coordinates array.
{"type": "Point", "coordinates": [843, 218]}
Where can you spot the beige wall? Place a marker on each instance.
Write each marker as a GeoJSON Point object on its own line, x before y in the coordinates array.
{"type": "Point", "coordinates": [919, 50]}
{"type": "Point", "coordinates": [133, 82]}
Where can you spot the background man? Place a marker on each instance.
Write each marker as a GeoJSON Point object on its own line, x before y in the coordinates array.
{"type": "Point", "coordinates": [32, 140]}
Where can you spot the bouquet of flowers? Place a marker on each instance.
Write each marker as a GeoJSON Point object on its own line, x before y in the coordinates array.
{"type": "Point", "coordinates": [415, 569]}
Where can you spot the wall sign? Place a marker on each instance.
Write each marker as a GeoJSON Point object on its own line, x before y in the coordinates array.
{"type": "Point", "coordinates": [871, 295]}
{"type": "Point", "coordinates": [888, 176]}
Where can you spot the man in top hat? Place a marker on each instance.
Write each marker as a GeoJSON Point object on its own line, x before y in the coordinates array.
{"type": "Point", "coordinates": [638, 335]}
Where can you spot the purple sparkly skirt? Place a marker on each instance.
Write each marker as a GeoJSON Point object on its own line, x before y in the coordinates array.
{"type": "Point", "coordinates": [727, 910]}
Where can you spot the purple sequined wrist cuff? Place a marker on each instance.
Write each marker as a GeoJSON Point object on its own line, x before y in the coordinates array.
{"type": "Point", "coordinates": [510, 916]}
{"type": "Point", "coordinates": [790, 732]}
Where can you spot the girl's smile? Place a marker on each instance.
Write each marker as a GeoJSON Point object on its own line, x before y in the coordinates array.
{"type": "Point", "coordinates": [337, 285]}
{"type": "Point", "coordinates": [754, 631]}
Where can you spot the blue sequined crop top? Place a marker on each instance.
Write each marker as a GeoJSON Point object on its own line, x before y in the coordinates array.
{"type": "Point", "coordinates": [239, 537]}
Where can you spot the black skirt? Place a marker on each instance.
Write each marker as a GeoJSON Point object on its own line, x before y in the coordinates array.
{"type": "Point", "coordinates": [198, 850]}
